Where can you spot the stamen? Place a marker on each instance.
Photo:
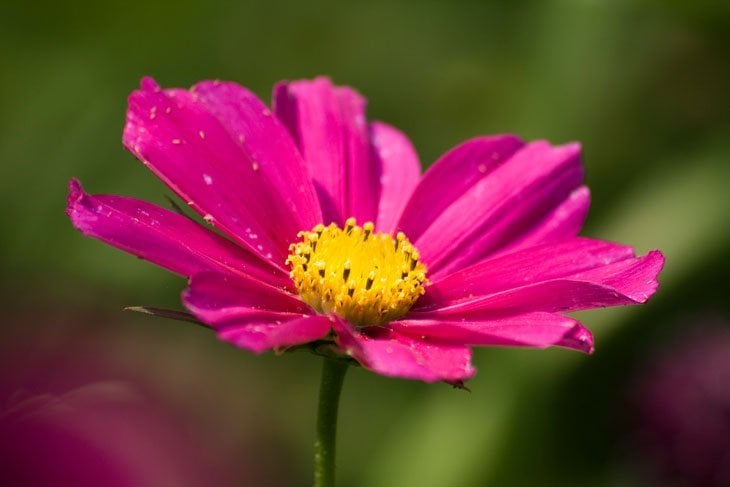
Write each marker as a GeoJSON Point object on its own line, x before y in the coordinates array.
{"type": "Point", "coordinates": [365, 277]}
{"type": "Point", "coordinates": [346, 273]}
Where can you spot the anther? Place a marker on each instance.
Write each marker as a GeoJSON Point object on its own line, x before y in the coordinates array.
{"type": "Point", "coordinates": [346, 272]}
{"type": "Point", "coordinates": [368, 227]}
{"type": "Point", "coordinates": [398, 239]}
{"type": "Point", "coordinates": [349, 225]}
{"type": "Point", "coordinates": [370, 280]}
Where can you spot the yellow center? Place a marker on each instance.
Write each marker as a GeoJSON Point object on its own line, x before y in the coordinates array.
{"type": "Point", "coordinates": [367, 278]}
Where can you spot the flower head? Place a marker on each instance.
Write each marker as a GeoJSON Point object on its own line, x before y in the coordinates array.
{"type": "Point", "coordinates": [366, 278]}
{"type": "Point", "coordinates": [329, 232]}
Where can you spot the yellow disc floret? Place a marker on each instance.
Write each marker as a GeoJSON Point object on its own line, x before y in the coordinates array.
{"type": "Point", "coordinates": [367, 278]}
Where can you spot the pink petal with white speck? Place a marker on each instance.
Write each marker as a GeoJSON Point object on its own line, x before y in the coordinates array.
{"type": "Point", "coordinates": [389, 353]}
{"type": "Point", "coordinates": [195, 147]}
{"type": "Point", "coordinates": [502, 205]}
{"type": "Point", "coordinates": [250, 315]}
{"type": "Point", "coordinates": [163, 237]}
{"type": "Point", "coordinates": [266, 142]}
{"type": "Point", "coordinates": [573, 275]}
{"type": "Point", "coordinates": [266, 334]}
{"type": "Point", "coordinates": [526, 330]}
{"type": "Point", "coordinates": [216, 297]}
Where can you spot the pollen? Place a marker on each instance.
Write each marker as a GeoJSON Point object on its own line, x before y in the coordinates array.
{"type": "Point", "coordinates": [364, 277]}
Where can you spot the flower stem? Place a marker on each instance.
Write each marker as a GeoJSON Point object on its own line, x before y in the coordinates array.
{"type": "Point", "coordinates": [333, 374]}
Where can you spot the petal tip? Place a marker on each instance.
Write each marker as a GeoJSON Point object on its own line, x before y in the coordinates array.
{"type": "Point", "coordinates": [582, 192]}
{"type": "Point", "coordinates": [652, 265]}
{"type": "Point", "coordinates": [578, 338]}
{"type": "Point", "coordinates": [75, 190]}
{"type": "Point", "coordinates": [469, 371]}
{"type": "Point", "coordinates": [658, 258]}
{"type": "Point", "coordinates": [148, 83]}
{"type": "Point", "coordinates": [568, 151]}
{"type": "Point", "coordinates": [75, 195]}
{"type": "Point", "coordinates": [81, 208]}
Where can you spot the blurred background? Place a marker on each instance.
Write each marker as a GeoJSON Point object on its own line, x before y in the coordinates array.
{"type": "Point", "coordinates": [642, 84]}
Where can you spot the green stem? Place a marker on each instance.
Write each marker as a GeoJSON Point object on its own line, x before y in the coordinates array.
{"type": "Point", "coordinates": [333, 374]}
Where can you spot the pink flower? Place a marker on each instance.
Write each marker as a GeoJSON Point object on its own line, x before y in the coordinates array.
{"type": "Point", "coordinates": [410, 271]}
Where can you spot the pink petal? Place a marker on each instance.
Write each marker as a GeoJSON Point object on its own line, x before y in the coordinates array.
{"type": "Point", "coordinates": [399, 174]}
{"type": "Point", "coordinates": [395, 355]}
{"type": "Point", "coordinates": [535, 264]}
{"type": "Point", "coordinates": [220, 299]}
{"type": "Point", "coordinates": [500, 207]}
{"type": "Point", "coordinates": [197, 147]}
{"type": "Point", "coordinates": [529, 330]}
{"type": "Point", "coordinates": [547, 278]}
{"type": "Point", "coordinates": [259, 336]}
{"type": "Point", "coordinates": [451, 176]}
{"type": "Point", "coordinates": [562, 223]}
{"type": "Point", "coordinates": [163, 237]}
{"type": "Point", "coordinates": [328, 123]}
{"type": "Point", "coordinates": [265, 140]}
{"type": "Point", "coordinates": [250, 315]}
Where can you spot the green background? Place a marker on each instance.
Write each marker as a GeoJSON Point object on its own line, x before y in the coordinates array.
{"type": "Point", "coordinates": [642, 85]}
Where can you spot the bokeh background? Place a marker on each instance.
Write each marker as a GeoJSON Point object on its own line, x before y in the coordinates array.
{"type": "Point", "coordinates": [642, 84]}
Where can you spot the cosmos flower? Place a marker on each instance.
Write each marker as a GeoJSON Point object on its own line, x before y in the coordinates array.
{"type": "Point", "coordinates": [327, 232]}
